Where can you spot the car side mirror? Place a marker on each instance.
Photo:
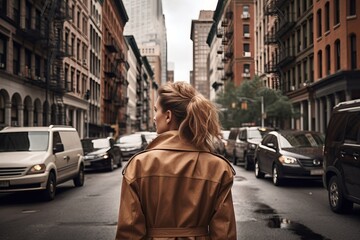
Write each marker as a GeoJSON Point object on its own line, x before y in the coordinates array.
{"type": "Point", "coordinates": [59, 147]}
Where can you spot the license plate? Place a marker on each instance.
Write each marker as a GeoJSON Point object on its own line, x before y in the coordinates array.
{"type": "Point", "coordinates": [4, 184]}
{"type": "Point", "coordinates": [317, 172]}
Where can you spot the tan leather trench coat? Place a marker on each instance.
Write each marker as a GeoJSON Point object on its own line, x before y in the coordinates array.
{"type": "Point", "coordinates": [173, 191]}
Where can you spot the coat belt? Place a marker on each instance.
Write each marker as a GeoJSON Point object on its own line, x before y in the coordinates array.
{"type": "Point", "coordinates": [177, 232]}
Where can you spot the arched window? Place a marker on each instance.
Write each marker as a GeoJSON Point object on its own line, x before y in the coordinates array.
{"type": "Point", "coordinates": [319, 23]}
{"type": "Point", "coordinates": [328, 57]}
{"type": "Point", "coordinates": [327, 16]}
{"type": "Point", "coordinates": [336, 12]}
{"type": "Point", "coordinates": [337, 54]}
{"type": "Point", "coordinates": [319, 64]}
{"type": "Point", "coordinates": [353, 51]}
{"type": "Point", "coordinates": [352, 7]}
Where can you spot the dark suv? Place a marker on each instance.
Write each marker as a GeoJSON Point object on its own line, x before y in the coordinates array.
{"type": "Point", "coordinates": [342, 157]}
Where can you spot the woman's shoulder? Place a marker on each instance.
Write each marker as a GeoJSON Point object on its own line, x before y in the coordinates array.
{"type": "Point", "coordinates": [218, 159]}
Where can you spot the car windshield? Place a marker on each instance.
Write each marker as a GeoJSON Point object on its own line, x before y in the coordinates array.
{"type": "Point", "coordinates": [24, 141]}
{"type": "Point", "coordinates": [254, 134]}
{"type": "Point", "coordinates": [130, 139]}
{"type": "Point", "coordinates": [296, 140]}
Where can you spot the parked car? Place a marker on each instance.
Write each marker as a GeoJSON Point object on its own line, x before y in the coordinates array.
{"type": "Point", "coordinates": [220, 144]}
{"type": "Point", "coordinates": [341, 157]}
{"type": "Point", "coordinates": [246, 143]}
{"type": "Point", "coordinates": [40, 158]}
{"type": "Point", "coordinates": [290, 154]}
{"type": "Point", "coordinates": [230, 145]}
{"type": "Point", "coordinates": [101, 153]}
{"type": "Point", "coordinates": [149, 136]}
{"type": "Point", "coordinates": [131, 144]}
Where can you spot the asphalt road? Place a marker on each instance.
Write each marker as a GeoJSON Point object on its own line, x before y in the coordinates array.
{"type": "Point", "coordinates": [298, 210]}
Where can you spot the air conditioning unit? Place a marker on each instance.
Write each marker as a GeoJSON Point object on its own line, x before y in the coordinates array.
{"type": "Point", "coordinates": [292, 88]}
{"type": "Point", "coordinates": [246, 75]}
{"type": "Point", "coordinates": [247, 54]}
{"type": "Point", "coordinates": [246, 35]}
{"type": "Point", "coordinates": [245, 15]}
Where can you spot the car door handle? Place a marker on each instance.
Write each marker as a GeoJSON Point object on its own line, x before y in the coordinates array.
{"type": "Point", "coordinates": [356, 156]}
{"type": "Point", "coordinates": [67, 158]}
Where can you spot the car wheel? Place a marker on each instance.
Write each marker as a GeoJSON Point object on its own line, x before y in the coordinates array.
{"type": "Point", "coordinates": [49, 192]}
{"type": "Point", "coordinates": [234, 158]}
{"type": "Point", "coordinates": [247, 164]}
{"type": "Point", "coordinates": [338, 202]}
{"type": "Point", "coordinates": [111, 164]}
{"type": "Point", "coordinates": [258, 172]}
{"type": "Point", "coordinates": [275, 176]}
{"type": "Point", "coordinates": [80, 178]}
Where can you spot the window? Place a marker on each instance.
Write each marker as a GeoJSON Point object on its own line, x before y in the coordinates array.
{"type": "Point", "coordinates": [298, 8]}
{"type": "Point", "coordinates": [246, 68]}
{"type": "Point", "coordinates": [311, 37]}
{"type": "Point", "coordinates": [37, 66]}
{"type": "Point", "coordinates": [311, 63]}
{"type": "Point", "coordinates": [352, 7]}
{"type": "Point", "coordinates": [305, 71]}
{"type": "Point", "coordinates": [16, 58]}
{"type": "Point", "coordinates": [3, 7]}
{"type": "Point", "coordinates": [327, 52]}
{"type": "Point", "coordinates": [298, 33]}
{"type": "Point", "coordinates": [246, 29]}
{"type": "Point", "coordinates": [336, 12]}
{"type": "Point", "coordinates": [353, 51]}
{"type": "Point", "coordinates": [2, 52]}
{"type": "Point", "coordinates": [305, 33]}
{"type": "Point", "coordinates": [305, 5]}
{"type": "Point", "coordinates": [319, 23]}
{"type": "Point", "coordinates": [246, 47]}
{"type": "Point", "coordinates": [337, 54]}
{"type": "Point", "coordinates": [320, 64]}
{"type": "Point", "coordinates": [352, 128]}
{"type": "Point", "coordinates": [246, 9]}
{"type": "Point", "coordinates": [28, 15]}
{"type": "Point", "coordinates": [327, 17]}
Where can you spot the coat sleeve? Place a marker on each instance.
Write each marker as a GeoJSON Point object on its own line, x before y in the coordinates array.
{"type": "Point", "coordinates": [131, 221]}
{"type": "Point", "coordinates": [223, 223]}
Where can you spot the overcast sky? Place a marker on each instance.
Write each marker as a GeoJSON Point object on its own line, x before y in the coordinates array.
{"type": "Point", "coordinates": [178, 16]}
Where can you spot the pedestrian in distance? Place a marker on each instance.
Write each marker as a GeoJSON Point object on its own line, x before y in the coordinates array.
{"type": "Point", "coordinates": [178, 188]}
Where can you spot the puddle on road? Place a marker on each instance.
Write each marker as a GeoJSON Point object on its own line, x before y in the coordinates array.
{"type": "Point", "coordinates": [276, 221]}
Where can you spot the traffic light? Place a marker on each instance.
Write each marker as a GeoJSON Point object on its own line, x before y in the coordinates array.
{"type": "Point", "coordinates": [244, 105]}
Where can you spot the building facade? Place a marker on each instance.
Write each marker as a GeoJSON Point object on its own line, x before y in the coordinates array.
{"type": "Point", "coordinates": [115, 66]}
{"type": "Point", "coordinates": [147, 25]}
{"type": "Point", "coordinates": [34, 88]}
{"type": "Point", "coordinates": [199, 32]}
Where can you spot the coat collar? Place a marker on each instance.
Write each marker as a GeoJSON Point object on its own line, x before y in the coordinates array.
{"type": "Point", "coordinates": [171, 140]}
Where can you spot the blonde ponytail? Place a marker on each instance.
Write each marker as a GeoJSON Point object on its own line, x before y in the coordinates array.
{"type": "Point", "coordinates": [196, 116]}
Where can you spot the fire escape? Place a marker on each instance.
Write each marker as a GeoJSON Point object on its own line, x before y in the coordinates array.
{"type": "Point", "coordinates": [117, 95]}
{"type": "Point", "coordinates": [55, 13]}
{"type": "Point", "coordinates": [226, 48]}
{"type": "Point", "coordinates": [285, 53]}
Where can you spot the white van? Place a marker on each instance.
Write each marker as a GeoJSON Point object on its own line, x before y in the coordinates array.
{"type": "Point", "coordinates": [39, 158]}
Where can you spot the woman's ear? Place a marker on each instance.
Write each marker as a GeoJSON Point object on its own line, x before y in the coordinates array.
{"type": "Point", "coordinates": [168, 116]}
